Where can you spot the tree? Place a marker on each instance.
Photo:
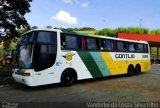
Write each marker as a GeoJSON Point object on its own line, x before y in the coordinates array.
{"type": "Point", "coordinates": [12, 16]}
{"type": "Point", "coordinates": [34, 27]}
{"type": "Point", "coordinates": [49, 27]}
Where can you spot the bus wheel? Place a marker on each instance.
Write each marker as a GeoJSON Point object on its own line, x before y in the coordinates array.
{"type": "Point", "coordinates": [68, 78]}
{"type": "Point", "coordinates": [130, 70]}
{"type": "Point", "coordinates": [137, 70]}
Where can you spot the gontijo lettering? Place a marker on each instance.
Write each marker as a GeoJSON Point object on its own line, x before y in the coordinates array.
{"type": "Point", "coordinates": [124, 56]}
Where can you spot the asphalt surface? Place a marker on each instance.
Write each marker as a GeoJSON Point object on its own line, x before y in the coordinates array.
{"type": "Point", "coordinates": [141, 88]}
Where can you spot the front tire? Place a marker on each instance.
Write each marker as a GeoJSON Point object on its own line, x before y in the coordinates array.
{"type": "Point", "coordinates": [67, 79]}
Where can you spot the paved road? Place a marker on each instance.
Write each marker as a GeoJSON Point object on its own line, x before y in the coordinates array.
{"type": "Point", "coordinates": [142, 88]}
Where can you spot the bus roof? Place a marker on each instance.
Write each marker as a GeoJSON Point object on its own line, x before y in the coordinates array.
{"type": "Point", "coordinates": [85, 34]}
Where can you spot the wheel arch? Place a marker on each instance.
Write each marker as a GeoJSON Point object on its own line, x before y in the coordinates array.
{"type": "Point", "coordinates": [72, 71]}
{"type": "Point", "coordinates": [138, 66]}
{"type": "Point", "coordinates": [130, 70]}
{"type": "Point", "coordinates": [130, 66]}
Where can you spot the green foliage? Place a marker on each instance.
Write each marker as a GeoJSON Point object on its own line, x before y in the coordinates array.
{"type": "Point", "coordinates": [12, 17]}
{"type": "Point", "coordinates": [21, 31]}
{"type": "Point", "coordinates": [1, 52]}
{"type": "Point", "coordinates": [34, 27]}
{"type": "Point", "coordinates": [84, 29]}
{"type": "Point", "coordinates": [6, 44]}
{"type": "Point", "coordinates": [6, 74]}
{"type": "Point", "coordinates": [4, 70]}
{"type": "Point", "coordinates": [155, 32]}
{"type": "Point", "coordinates": [131, 30]}
{"type": "Point", "coordinates": [106, 32]}
{"type": "Point", "coordinates": [49, 27]}
{"type": "Point", "coordinates": [77, 29]}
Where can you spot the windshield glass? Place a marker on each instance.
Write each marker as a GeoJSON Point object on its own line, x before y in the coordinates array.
{"type": "Point", "coordinates": [25, 54]}
{"type": "Point", "coordinates": [36, 50]}
{"type": "Point", "coordinates": [29, 37]}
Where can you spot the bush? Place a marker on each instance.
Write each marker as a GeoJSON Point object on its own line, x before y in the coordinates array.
{"type": "Point", "coordinates": [6, 74]}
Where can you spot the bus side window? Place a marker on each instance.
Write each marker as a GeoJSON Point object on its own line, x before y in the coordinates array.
{"type": "Point", "coordinates": [107, 45]}
{"type": "Point", "coordinates": [84, 43]}
{"type": "Point", "coordinates": [63, 43]}
{"type": "Point", "coordinates": [71, 42]}
{"type": "Point", "coordinates": [121, 45]}
{"type": "Point", "coordinates": [131, 47]}
{"type": "Point", "coordinates": [92, 43]}
{"type": "Point", "coordinates": [140, 48]}
{"type": "Point", "coordinates": [110, 45]}
{"type": "Point", "coordinates": [145, 48]}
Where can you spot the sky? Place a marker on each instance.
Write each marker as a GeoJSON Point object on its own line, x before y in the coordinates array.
{"type": "Point", "coordinates": [98, 14]}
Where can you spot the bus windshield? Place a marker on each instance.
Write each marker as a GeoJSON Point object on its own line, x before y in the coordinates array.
{"type": "Point", "coordinates": [36, 50]}
{"type": "Point", "coordinates": [25, 56]}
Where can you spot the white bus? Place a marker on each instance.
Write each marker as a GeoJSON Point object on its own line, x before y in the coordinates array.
{"type": "Point", "coordinates": [54, 56]}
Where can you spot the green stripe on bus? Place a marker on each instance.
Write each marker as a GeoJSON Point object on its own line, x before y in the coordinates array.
{"type": "Point", "coordinates": [90, 64]}
{"type": "Point", "coordinates": [100, 63]}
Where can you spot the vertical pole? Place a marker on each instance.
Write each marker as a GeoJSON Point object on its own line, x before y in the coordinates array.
{"type": "Point", "coordinates": [140, 23]}
{"type": "Point", "coordinates": [152, 55]}
{"type": "Point", "coordinates": [150, 49]}
{"type": "Point", "coordinates": [157, 53]}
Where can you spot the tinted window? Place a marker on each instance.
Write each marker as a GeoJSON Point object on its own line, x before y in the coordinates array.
{"type": "Point", "coordinates": [29, 37]}
{"type": "Point", "coordinates": [47, 37]}
{"type": "Point", "coordinates": [107, 45]}
{"type": "Point", "coordinates": [145, 48]}
{"type": "Point", "coordinates": [45, 50]}
{"type": "Point", "coordinates": [92, 43]}
{"type": "Point", "coordinates": [140, 48]}
{"type": "Point", "coordinates": [121, 46]}
{"type": "Point", "coordinates": [45, 56]}
{"type": "Point", "coordinates": [71, 42]}
{"type": "Point", "coordinates": [131, 47]}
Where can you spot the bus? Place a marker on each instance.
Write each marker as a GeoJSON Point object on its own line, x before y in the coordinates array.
{"type": "Point", "coordinates": [48, 56]}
